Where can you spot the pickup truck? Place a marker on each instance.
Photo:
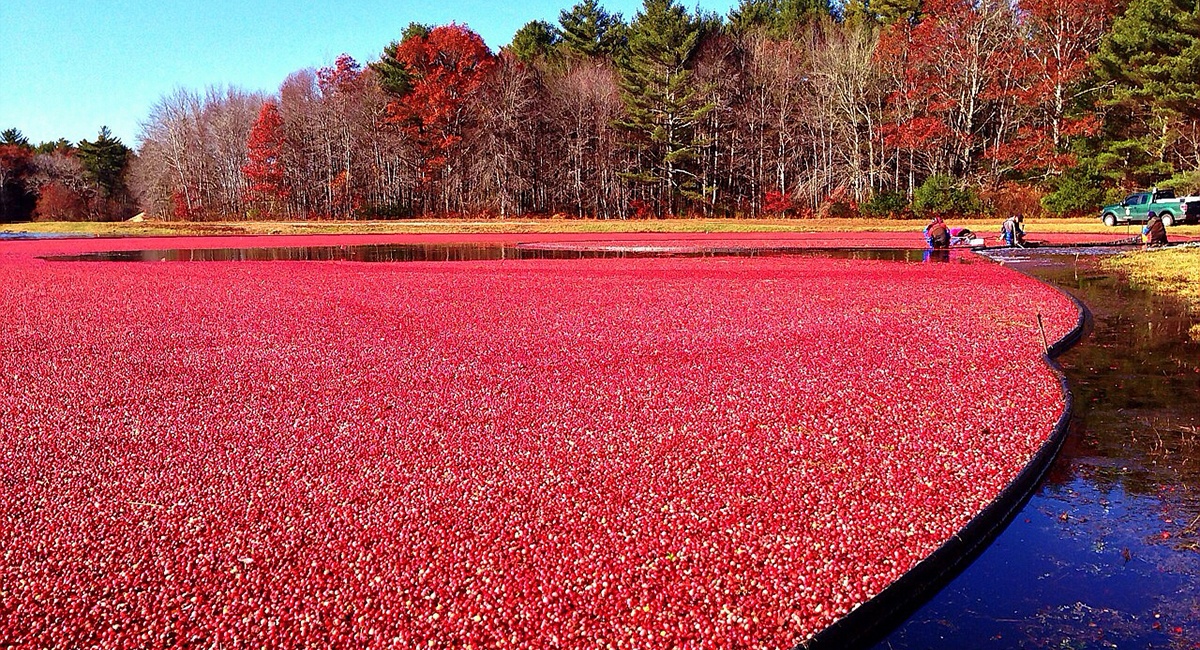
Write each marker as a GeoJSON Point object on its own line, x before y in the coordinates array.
{"type": "Point", "coordinates": [1164, 203]}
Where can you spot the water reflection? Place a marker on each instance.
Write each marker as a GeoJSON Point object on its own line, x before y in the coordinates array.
{"type": "Point", "coordinates": [1106, 553]}
{"type": "Point", "coordinates": [21, 235]}
{"type": "Point", "coordinates": [452, 252]}
{"type": "Point", "coordinates": [936, 255]}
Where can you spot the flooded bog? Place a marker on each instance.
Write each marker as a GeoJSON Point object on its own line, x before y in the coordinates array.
{"type": "Point", "coordinates": [1107, 552]}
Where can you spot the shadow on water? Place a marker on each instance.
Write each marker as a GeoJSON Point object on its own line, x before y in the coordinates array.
{"type": "Point", "coordinates": [492, 251]}
{"type": "Point", "coordinates": [1107, 552]}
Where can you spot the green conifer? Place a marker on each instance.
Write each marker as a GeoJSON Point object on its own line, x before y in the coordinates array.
{"type": "Point", "coordinates": [588, 30]}
{"type": "Point", "coordinates": [14, 136]}
{"type": "Point", "coordinates": [663, 103]}
{"type": "Point", "coordinates": [535, 40]}
{"type": "Point", "coordinates": [105, 160]}
{"type": "Point", "coordinates": [1151, 59]}
{"type": "Point", "coordinates": [778, 18]}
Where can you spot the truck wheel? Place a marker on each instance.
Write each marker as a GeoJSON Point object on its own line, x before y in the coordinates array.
{"type": "Point", "coordinates": [1168, 219]}
{"type": "Point", "coordinates": [1110, 219]}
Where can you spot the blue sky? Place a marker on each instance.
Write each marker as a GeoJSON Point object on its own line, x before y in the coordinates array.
{"type": "Point", "coordinates": [68, 68]}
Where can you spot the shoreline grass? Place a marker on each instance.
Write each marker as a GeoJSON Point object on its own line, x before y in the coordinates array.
{"type": "Point", "coordinates": [1171, 271]}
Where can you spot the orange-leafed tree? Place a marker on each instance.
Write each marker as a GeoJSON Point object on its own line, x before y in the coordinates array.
{"type": "Point", "coordinates": [447, 65]}
{"type": "Point", "coordinates": [1060, 36]}
{"type": "Point", "coordinates": [264, 170]}
{"type": "Point", "coordinates": [58, 202]}
{"type": "Point", "coordinates": [956, 61]}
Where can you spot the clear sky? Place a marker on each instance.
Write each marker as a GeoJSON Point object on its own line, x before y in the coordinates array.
{"type": "Point", "coordinates": [69, 67]}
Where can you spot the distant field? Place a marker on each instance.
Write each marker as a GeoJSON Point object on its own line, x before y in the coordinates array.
{"type": "Point", "coordinates": [518, 226]}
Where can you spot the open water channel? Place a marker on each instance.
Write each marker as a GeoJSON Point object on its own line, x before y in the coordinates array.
{"type": "Point", "coordinates": [1106, 553]}
{"type": "Point", "coordinates": [460, 252]}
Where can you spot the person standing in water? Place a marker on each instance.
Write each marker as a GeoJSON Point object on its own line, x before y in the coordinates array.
{"type": "Point", "coordinates": [1012, 232]}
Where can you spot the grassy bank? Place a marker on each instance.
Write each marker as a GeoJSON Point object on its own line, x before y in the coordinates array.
{"type": "Point", "coordinates": [519, 226]}
{"type": "Point", "coordinates": [1173, 271]}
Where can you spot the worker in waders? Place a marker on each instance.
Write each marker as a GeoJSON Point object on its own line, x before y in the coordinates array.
{"type": "Point", "coordinates": [1154, 233]}
{"type": "Point", "coordinates": [937, 234]}
{"type": "Point", "coordinates": [1012, 232]}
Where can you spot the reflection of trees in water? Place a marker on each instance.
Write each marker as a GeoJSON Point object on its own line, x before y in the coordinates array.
{"type": "Point", "coordinates": [471, 252]}
{"type": "Point", "coordinates": [1136, 383]}
{"type": "Point", "coordinates": [1102, 555]}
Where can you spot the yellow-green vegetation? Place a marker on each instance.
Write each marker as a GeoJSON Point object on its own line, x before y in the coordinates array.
{"type": "Point", "coordinates": [518, 226]}
{"type": "Point", "coordinates": [1169, 270]}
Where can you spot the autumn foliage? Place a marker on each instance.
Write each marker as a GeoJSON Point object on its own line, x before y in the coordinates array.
{"type": "Point", "coordinates": [964, 65]}
{"type": "Point", "coordinates": [264, 151]}
{"type": "Point", "coordinates": [669, 112]}
{"type": "Point", "coordinates": [447, 65]}
{"type": "Point", "coordinates": [57, 202]}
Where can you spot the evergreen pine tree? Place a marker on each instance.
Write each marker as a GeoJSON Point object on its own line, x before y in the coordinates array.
{"type": "Point", "coordinates": [394, 77]}
{"type": "Point", "coordinates": [880, 12]}
{"type": "Point", "coordinates": [535, 40]}
{"type": "Point", "coordinates": [105, 160]}
{"type": "Point", "coordinates": [60, 145]}
{"type": "Point", "coordinates": [1152, 60]}
{"type": "Point", "coordinates": [663, 103]}
{"type": "Point", "coordinates": [887, 12]}
{"type": "Point", "coordinates": [588, 30]}
{"type": "Point", "coordinates": [1153, 53]}
{"type": "Point", "coordinates": [415, 30]}
{"type": "Point", "coordinates": [779, 18]}
{"type": "Point", "coordinates": [14, 137]}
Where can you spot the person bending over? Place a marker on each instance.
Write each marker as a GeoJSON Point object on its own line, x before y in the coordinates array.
{"type": "Point", "coordinates": [1012, 231]}
{"type": "Point", "coordinates": [1154, 233]}
{"type": "Point", "coordinates": [937, 234]}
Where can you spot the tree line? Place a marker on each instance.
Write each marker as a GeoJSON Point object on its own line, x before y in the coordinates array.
{"type": "Point", "coordinates": [781, 108]}
{"type": "Point", "coordinates": [64, 181]}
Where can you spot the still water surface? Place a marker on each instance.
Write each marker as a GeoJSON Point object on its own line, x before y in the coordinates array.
{"type": "Point", "coordinates": [459, 252]}
{"type": "Point", "coordinates": [1106, 554]}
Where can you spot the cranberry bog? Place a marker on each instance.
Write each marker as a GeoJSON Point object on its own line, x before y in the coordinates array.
{"type": "Point", "coordinates": [626, 452]}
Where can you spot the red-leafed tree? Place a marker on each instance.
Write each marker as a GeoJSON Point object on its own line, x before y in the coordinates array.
{"type": "Point", "coordinates": [344, 119]}
{"type": "Point", "coordinates": [264, 170]}
{"type": "Point", "coordinates": [777, 204]}
{"type": "Point", "coordinates": [955, 63]}
{"type": "Point", "coordinates": [916, 138]}
{"type": "Point", "coordinates": [447, 66]}
{"type": "Point", "coordinates": [57, 202]}
{"type": "Point", "coordinates": [344, 76]}
{"type": "Point", "coordinates": [1060, 36]}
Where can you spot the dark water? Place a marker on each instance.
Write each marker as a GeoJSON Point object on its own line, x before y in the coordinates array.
{"type": "Point", "coordinates": [1106, 554]}
{"type": "Point", "coordinates": [455, 252]}
{"type": "Point", "coordinates": [26, 235]}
